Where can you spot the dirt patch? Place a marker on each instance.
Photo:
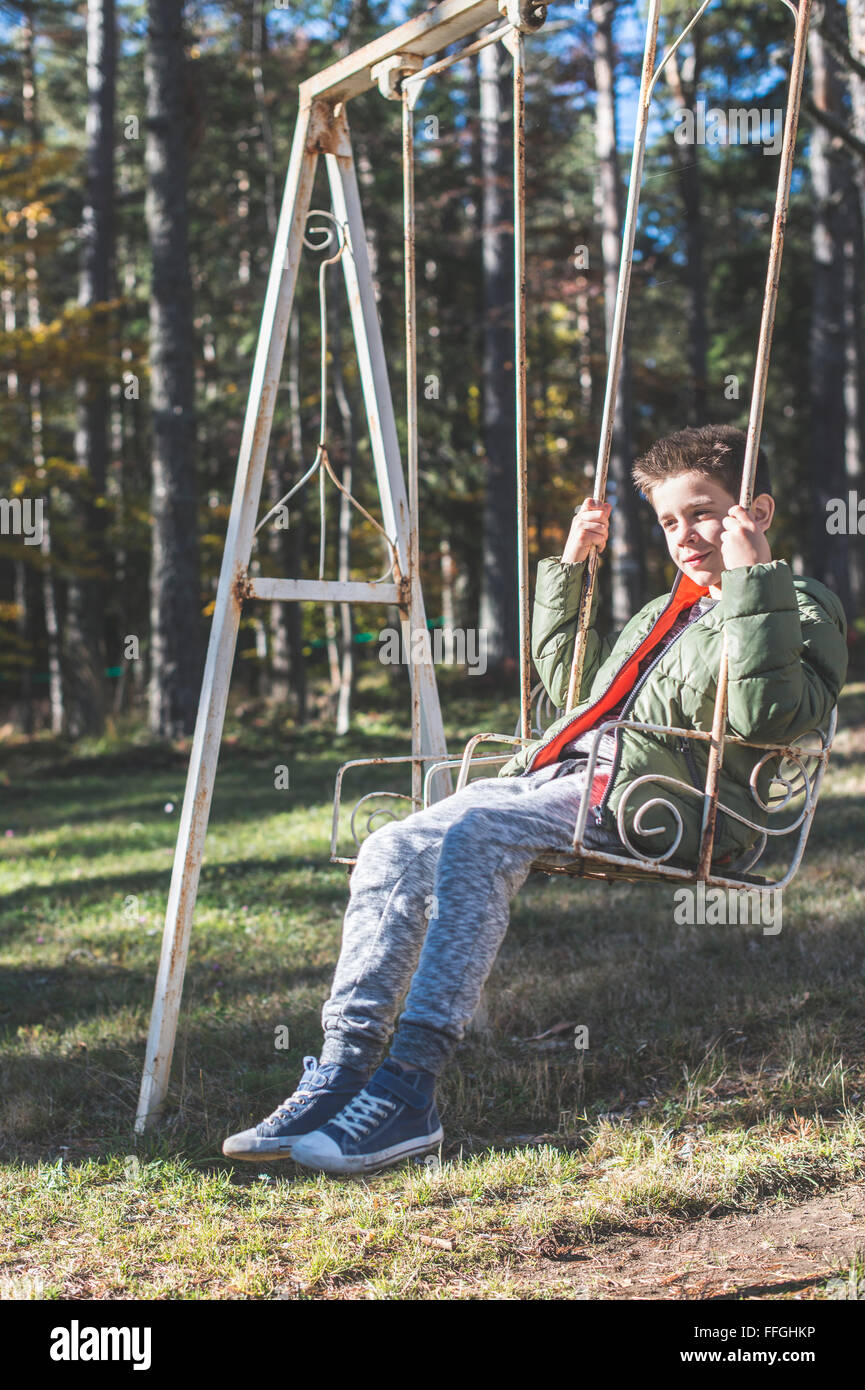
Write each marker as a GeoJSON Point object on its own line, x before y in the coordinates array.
{"type": "Point", "coordinates": [769, 1253]}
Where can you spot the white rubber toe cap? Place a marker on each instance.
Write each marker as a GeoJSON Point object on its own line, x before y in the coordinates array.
{"type": "Point", "coordinates": [251, 1146]}
{"type": "Point", "coordinates": [318, 1150]}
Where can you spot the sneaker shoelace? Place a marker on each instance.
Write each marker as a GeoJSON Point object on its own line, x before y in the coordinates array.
{"type": "Point", "coordinates": [299, 1097]}
{"type": "Point", "coordinates": [358, 1117]}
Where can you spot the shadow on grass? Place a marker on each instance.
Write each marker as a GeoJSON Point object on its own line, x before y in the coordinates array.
{"type": "Point", "coordinates": [656, 1002]}
{"type": "Point", "coordinates": [243, 793]}
{"type": "Point", "coordinates": [67, 996]}
{"type": "Point", "coordinates": [111, 889]}
{"type": "Point", "coordinates": [656, 998]}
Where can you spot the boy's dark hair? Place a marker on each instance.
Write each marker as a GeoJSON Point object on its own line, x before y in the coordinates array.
{"type": "Point", "coordinates": [717, 451]}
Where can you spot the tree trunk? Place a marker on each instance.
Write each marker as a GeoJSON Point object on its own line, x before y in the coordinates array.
{"type": "Point", "coordinates": [688, 160]}
{"type": "Point", "coordinates": [853, 296]}
{"type": "Point", "coordinates": [446, 561]}
{"type": "Point", "coordinates": [854, 281]}
{"type": "Point", "coordinates": [84, 629]}
{"type": "Point", "coordinates": [24, 716]}
{"type": "Point", "coordinates": [49, 588]}
{"type": "Point", "coordinates": [174, 582]}
{"type": "Point", "coordinates": [827, 347]}
{"type": "Point", "coordinates": [22, 627]}
{"type": "Point", "coordinates": [499, 600]}
{"type": "Point", "coordinates": [626, 578]}
{"type": "Point", "coordinates": [259, 48]}
{"type": "Point", "coordinates": [584, 328]}
{"type": "Point", "coordinates": [279, 675]}
{"type": "Point", "coordinates": [856, 31]}
{"type": "Point", "coordinates": [123, 481]}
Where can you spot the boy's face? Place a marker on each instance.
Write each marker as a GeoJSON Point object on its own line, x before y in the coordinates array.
{"type": "Point", "coordinates": [691, 510]}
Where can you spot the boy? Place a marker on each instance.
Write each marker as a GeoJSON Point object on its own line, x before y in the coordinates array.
{"type": "Point", "coordinates": [468, 855]}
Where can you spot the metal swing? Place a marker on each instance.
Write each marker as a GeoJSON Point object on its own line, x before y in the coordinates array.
{"type": "Point", "coordinates": [795, 771]}
{"type": "Point", "coordinates": [395, 62]}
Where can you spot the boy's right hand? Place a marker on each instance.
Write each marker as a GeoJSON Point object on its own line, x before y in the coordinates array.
{"type": "Point", "coordinates": [590, 526]}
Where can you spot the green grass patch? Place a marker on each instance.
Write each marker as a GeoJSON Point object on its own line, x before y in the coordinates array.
{"type": "Point", "coordinates": [724, 1068]}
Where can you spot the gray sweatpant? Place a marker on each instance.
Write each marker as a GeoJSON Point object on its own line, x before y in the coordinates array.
{"type": "Point", "coordinates": [428, 911]}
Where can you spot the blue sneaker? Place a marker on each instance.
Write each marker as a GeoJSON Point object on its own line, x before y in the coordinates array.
{"type": "Point", "coordinates": [392, 1118]}
{"type": "Point", "coordinates": [321, 1094]}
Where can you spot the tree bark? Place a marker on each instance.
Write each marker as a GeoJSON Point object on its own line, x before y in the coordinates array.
{"type": "Point", "coordinates": [688, 160]}
{"type": "Point", "coordinates": [84, 628]}
{"type": "Point", "coordinates": [281, 614]}
{"type": "Point", "coordinates": [49, 586]}
{"type": "Point", "coordinates": [24, 716]}
{"type": "Point", "coordinates": [174, 582]}
{"type": "Point", "coordinates": [854, 327]}
{"type": "Point", "coordinates": [856, 83]}
{"type": "Point", "coordinates": [499, 599]}
{"type": "Point", "coordinates": [293, 537]}
{"type": "Point", "coordinates": [827, 346]}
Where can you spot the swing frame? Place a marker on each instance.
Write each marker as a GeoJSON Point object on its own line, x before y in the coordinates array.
{"type": "Point", "coordinates": [396, 63]}
{"type": "Point", "coordinates": [585, 861]}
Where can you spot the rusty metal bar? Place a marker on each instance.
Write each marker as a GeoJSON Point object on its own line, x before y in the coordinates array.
{"type": "Point", "coordinates": [437, 765]}
{"type": "Point", "coordinates": [617, 336]}
{"type": "Point", "coordinates": [758, 397]}
{"type": "Point", "coordinates": [407, 108]}
{"type": "Point", "coordinates": [513, 41]}
{"type": "Point", "coordinates": [432, 69]}
{"type": "Point", "coordinates": [468, 751]}
{"type": "Point", "coordinates": [424, 35]}
{"type": "Point", "coordinates": [648, 81]}
{"type": "Point", "coordinates": [321, 590]}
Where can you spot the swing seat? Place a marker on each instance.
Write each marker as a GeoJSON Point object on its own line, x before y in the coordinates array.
{"type": "Point", "coordinates": [794, 788]}
{"type": "Point", "coordinates": [602, 854]}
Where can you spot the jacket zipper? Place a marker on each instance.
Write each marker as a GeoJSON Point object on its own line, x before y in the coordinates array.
{"type": "Point", "coordinates": [687, 752]}
{"type": "Point", "coordinates": [546, 742]}
{"type": "Point", "coordinates": [602, 804]}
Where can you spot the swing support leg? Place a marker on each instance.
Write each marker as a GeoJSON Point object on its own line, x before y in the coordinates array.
{"type": "Point", "coordinates": [226, 616]}
{"type": "Point", "coordinates": [319, 129]}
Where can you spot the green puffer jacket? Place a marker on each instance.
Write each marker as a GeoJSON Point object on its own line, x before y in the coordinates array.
{"type": "Point", "coordinates": [787, 663]}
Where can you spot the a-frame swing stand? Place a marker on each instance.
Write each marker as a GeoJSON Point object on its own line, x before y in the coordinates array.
{"type": "Point", "coordinates": [396, 63]}
{"type": "Point", "coordinates": [321, 129]}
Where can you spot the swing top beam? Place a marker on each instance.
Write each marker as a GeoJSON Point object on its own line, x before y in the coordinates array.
{"type": "Point", "coordinates": [423, 36]}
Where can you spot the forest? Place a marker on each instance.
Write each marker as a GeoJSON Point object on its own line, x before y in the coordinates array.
{"type": "Point", "coordinates": [143, 153]}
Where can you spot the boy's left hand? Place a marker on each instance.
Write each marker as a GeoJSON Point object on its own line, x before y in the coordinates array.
{"type": "Point", "coordinates": [743, 543]}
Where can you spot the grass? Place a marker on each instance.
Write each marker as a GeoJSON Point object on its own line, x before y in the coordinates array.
{"type": "Point", "coordinates": [724, 1069]}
